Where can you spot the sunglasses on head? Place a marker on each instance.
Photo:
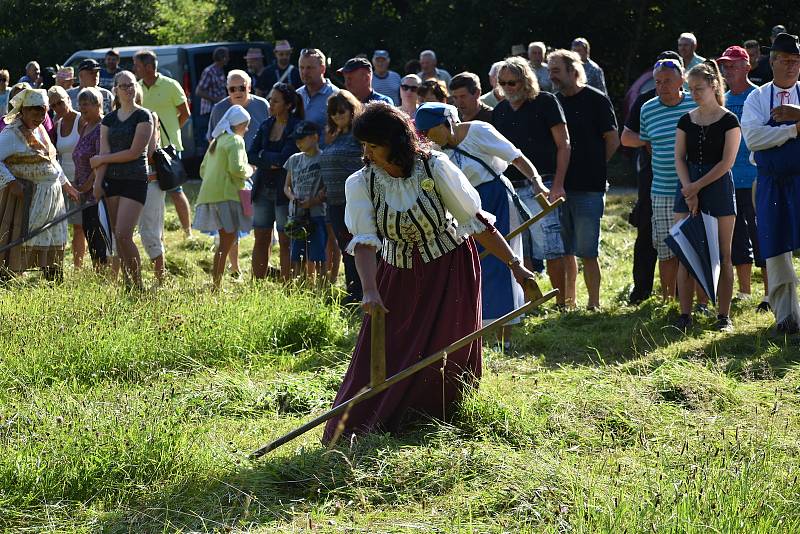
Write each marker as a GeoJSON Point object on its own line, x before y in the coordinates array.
{"type": "Point", "coordinates": [669, 63]}
{"type": "Point", "coordinates": [237, 88]}
{"type": "Point", "coordinates": [412, 88]}
{"type": "Point", "coordinates": [510, 83]}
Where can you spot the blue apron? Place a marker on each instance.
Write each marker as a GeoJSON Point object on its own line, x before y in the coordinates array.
{"type": "Point", "coordinates": [778, 193]}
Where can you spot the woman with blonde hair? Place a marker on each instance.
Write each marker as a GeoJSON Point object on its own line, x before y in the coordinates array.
{"type": "Point", "coordinates": [121, 170]}
{"type": "Point", "coordinates": [67, 136]}
{"type": "Point", "coordinates": [706, 143]}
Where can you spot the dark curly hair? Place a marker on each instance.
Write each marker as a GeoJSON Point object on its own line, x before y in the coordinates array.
{"type": "Point", "coordinates": [385, 125]}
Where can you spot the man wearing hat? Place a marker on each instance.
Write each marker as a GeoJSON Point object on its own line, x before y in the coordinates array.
{"type": "Point", "coordinates": [89, 76]}
{"type": "Point", "coordinates": [770, 124]}
{"type": "Point", "coordinates": [280, 70]}
{"type": "Point", "coordinates": [111, 69]}
{"type": "Point", "coordinates": [65, 77]}
{"type": "Point", "coordinates": [255, 67]}
{"type": "Point", "coordinates": [357, 73]}
{"type": "Point", "coordinates": [385, 81]}
{"type": "Point", "coordinates": [735, 66]}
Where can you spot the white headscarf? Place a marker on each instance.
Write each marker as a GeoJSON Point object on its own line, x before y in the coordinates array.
{"type": "Point", "coordinates": [26, 98]}
{"type": "Point", "coordinates": [235, 116]}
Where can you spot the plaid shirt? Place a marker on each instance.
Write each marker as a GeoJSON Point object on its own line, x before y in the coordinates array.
{"type": "Point", "coordinates": [214, 82]}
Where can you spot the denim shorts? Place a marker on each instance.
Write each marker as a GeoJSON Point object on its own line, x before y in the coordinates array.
{"type": "Point", "coordinates": [543, 241]}
{"type": "Point", "coordinates": [267, 213]}
{"type": "Point", "coordinates": [313, 248]}
{"type": "Point", "coordinates": [580, 223]}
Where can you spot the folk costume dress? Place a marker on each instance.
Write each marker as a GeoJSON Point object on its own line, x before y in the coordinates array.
{"type": "Point", "coordinates": [428, 278]}
{"type": "Point", "coordinates": [483, 155]}
{"type": "Point", "coordinates": [776, 152]}
{"type": "Point", "coordinates": [31, 158]}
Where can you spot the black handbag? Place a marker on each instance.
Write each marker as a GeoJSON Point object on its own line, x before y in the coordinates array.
{"type": "Point", "coordinates": [168, 166]}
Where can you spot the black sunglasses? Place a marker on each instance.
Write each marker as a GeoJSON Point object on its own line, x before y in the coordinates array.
{"type": "Point", "coordinates": [239, 88]}
{"type": "Point", "coordinates": [412, 88]}
{"type": "Point", "coordinates": [510, 83]}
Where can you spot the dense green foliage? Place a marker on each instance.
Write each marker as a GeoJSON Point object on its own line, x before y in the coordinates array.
{"type": "Point", "coordinates": [136, 414]}
{"type": "Point", "coordinates": [469, 34]}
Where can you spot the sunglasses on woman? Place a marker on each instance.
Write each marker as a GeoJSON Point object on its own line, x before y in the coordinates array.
{"type": "Point", "coordinates": [237, 88]}
{"type": "Point", "coordinates": [412, 88]}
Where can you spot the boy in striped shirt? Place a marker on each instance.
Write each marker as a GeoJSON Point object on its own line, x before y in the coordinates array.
{"type": "Point", "coordinates": [659, 120]}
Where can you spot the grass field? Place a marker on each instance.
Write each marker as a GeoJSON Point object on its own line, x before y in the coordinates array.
{"type": "Point", "coordinates": [136, 414]}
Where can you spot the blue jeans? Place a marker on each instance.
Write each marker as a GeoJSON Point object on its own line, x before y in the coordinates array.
{"type": "Point", "coordinates": [544, 237]}
{"type": "Point", "coordinates": [335, 215]}
{"type": "Point", "coordinates": [580, 223]}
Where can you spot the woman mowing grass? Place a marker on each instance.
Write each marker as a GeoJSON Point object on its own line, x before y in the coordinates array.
{"type": "Point", "coordinates": [427, 279]}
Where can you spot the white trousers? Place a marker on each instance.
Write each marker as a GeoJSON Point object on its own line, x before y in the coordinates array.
{"type": "Point", "coordinates": [783, 288]}
{"type": "Point", "coordinates": [151, 221]}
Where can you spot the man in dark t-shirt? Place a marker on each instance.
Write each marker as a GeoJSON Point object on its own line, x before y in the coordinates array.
{"type": "Point", "coordinates": [280, 70]}
{"type": "Point", "coordinates": [593, 137]}
{"type": "Point", "coordinates": [534, 122]}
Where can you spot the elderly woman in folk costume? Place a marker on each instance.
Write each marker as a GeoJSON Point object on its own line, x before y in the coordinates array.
{"type": "Point", "coordinates": [31, 184]}
{"type": "Point", "coordinates": [483, 154]}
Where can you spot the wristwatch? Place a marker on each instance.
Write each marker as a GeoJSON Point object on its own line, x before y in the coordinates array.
{"type": "Point", "coordinates": [514, 261]}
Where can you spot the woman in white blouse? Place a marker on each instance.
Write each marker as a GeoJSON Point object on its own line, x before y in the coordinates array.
{"type": "Point", "coordinates": [483, 154]}
{"type": "Point", "coordinates": [420, 212]}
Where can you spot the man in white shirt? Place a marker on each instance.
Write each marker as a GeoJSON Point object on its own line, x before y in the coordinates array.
{"type": "Point", "coordinates": [770, 125]}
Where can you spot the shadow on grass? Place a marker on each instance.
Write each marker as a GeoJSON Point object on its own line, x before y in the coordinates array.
{"type": "Point", "coordinates": [283, 487]}
{"type": "Point", "coordinates": [611, 335]}
{"type": "Point", "coordinates": [762, 356]}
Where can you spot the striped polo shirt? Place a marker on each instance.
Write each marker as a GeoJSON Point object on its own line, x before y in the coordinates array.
{"type": "Point", "coordinates": [658, 126]}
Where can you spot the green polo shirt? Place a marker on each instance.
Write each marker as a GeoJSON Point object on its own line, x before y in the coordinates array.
{"type": "Point", "coordinates": [163, 97]}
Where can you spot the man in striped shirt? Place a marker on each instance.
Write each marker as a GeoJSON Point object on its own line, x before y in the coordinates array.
{"type": "Point", "coordinates": [658, 122]}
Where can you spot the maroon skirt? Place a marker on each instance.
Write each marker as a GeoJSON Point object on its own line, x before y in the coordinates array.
{"type": "Point", "coordinates": [430, 306]}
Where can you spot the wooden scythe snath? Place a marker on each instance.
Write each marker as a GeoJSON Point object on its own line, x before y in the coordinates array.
{"type": "Point", "coordinates": [378, 381]}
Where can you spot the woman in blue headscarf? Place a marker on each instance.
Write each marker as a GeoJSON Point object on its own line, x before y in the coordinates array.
{"type": "Point", "coordinates": [483, 154]}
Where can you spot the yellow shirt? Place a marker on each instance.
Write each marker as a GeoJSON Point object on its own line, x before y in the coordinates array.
{"type": "Point", "coordinates": [224, 171]}
{"type": "Point", "coordinates": [164, 97]}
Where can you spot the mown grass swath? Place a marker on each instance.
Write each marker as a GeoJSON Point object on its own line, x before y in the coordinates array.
{"type": "Point", "coordinates": [136, 414]}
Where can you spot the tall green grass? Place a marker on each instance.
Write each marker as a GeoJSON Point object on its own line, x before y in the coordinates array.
{"type": "Point", "coordinates": [123, 413]}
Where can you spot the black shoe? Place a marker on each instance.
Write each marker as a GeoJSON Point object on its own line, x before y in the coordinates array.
{"type": "Point", "coordinates": [724, 324]}
{"type": "Point", "coordinates": [702, 309]}
{"type": "Point", "coordinates": [635, 299]}
{"type": "Point", "coordinates": [787, 327]}
{"type": "Point", "coordinates": [684, 322]}
{"type": "Point", "coordinates": [763, 307]}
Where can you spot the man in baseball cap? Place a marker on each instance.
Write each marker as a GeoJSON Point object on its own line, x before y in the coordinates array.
{"type": "Point", "coordinates": [385, 81]}
{"type": "Point", "coordinates": [735, 66]}
{"type": "Point", "coordinates": [357, 73]}
{"type": "Point", "coordinates": [89, 76]}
